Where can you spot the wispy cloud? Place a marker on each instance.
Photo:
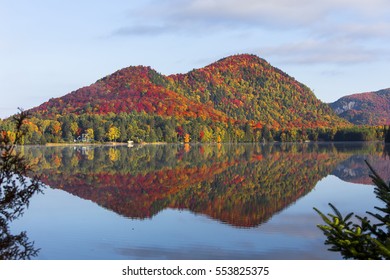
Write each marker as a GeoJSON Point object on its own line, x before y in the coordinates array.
{"type": "Point", "coordinates": [360, 31]}
{"type": "Point", "coordinates": [332, 31]}
{"type": "Point", "coordinates": [321, 52]}
{"type": "Point", "coordinates": [276, 13]}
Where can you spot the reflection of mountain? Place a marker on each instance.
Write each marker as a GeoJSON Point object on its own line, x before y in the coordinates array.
{"type": "Point", "coordinates": [355, 170]}
{"type": "Point", "coordinates": [242, 185]}
{"type": "Point", "coordinates": [249, 193]}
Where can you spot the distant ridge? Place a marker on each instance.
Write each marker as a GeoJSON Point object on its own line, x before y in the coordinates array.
{"type": "Point", "coordinates": [369, 108]}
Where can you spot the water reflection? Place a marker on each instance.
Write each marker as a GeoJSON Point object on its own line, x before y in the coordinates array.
{"type": "Point", "coordinates": [354, 169]}
{"type": "Point", "coordinates": [241, 185]}
{"type": "Point", "coordinates": [16, 191]}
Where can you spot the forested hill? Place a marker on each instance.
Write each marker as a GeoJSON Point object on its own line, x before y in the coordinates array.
{"type": "Point", "coordinates": [241, 98]}
{"type": "Point", "coordinates": [135, 88]}
{"type": "Point", "coordinates": [240, 88]}
{"type": "Point", "coordinates": [370, 108]}
{"type": "Point", "coordinates": [246, 87]}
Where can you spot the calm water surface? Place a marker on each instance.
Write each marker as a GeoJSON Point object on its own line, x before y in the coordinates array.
{"type": "Point", "coordinates": [195, 201]}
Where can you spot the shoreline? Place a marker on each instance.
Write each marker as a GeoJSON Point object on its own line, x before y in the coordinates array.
{"type": "Point", "coordinates": [191, 143]}
{"type": "Point", "coordinates": [103, 144]}
{"type": "Point", "coordinates": [86, 144]}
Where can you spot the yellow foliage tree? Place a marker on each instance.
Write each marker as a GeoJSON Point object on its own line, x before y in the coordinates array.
{"type": "Point", "coordinates": [90, 132]}
{"type": "Point", "coordinates": [113, 133]}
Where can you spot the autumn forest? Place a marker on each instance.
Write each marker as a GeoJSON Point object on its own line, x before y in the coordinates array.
{"type": "Point", "coordinates": [240, 98]}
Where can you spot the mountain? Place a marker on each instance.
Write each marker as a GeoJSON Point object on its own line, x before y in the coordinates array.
{"type": "Point", "coordinates": [248, 88]}
{"type": "Point", "coordinates": [369, 108]}
{"type": "Point", "coordinates": [135, 88]}
{"type": "Point", "coordinates": [236, 89]}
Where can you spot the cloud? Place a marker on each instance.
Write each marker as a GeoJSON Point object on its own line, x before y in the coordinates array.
{"type": "Point", "coordinates": [278, 13]}
{"type": "Point", "coordinates": [295, 31]}
{"type": "Point", "coordinates": [359, 31]}
{"type": "Point", "coordinates": [166, 16]}
{"type": "Point", "coordinates": [321, 52]}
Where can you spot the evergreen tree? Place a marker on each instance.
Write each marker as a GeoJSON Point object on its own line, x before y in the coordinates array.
{"type": "Point", "coordinates": [16, 189]}
{"type": "Point", "coordinates": [387, 134]}
{"type": "Point", "coordinates": [367, 240]}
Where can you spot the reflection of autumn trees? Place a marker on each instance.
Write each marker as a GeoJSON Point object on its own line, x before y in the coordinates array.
{"type": "Point", "coordinates": [250, 192]}
{"type": "Point", "coordinates": [243, 185]}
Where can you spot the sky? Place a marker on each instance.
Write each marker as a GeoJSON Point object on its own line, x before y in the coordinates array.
{"type": "Point", "coordinates": [49, 48]}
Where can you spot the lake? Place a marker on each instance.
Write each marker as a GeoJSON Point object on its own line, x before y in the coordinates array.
{"type": "Point", "coordinates": [216, 201]}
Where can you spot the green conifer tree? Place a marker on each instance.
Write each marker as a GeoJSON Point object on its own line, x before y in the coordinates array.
{"type": "Point", "coordinates": [368, 239]}
{"type": "Point", "coordinates": [17, 186]}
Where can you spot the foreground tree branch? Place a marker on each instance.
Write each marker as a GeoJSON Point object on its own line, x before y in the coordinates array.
{"type": "Point", "coordinates": [17, 186]}
{"type": "Point", "coordinates": [368, 239]}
